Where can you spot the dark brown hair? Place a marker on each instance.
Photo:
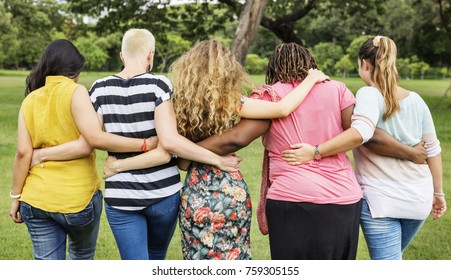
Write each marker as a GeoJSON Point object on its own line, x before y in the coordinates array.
{"type": "Point", "coordinates": [60, 58]}
{"type": "Point", "coordinates": [289, 63]}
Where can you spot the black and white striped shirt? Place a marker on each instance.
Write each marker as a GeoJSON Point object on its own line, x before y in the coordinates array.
{"type": "Point", "coordinates": [127, 107]}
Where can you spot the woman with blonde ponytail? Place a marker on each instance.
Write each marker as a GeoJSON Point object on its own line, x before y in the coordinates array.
{"type": "Point", "coordinates": [398, 194]}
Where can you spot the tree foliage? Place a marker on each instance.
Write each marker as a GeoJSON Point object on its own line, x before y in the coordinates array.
{"type": "Point", "coordinates": [419, 27]}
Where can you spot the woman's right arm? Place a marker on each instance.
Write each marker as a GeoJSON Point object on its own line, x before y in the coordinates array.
{"type": "Point", "coordinates": [91, 128]}
{"type": "Point", "coordinates": [232, 140]}
{"type": "Point", "coordinates": [174, 143]}
{"type": "Point", "coordinates": [261, 109]}
{"type": "Point", "coordinates": [149, 159]}
{"type": "Point", "coordinates": [21, 166]}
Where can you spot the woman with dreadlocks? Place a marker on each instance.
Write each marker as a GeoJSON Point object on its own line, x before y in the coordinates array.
{"type": "Point", "coordinates": [312, 209]}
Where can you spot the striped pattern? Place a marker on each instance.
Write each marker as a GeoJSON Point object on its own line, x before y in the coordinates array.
{"type": "Point", "coordinates": [127, 107]}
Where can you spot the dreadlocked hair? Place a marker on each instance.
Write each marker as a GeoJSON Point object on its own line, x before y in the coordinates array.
{"type": "Point", "coordinates": [380, 53]}
{"type": "Point", "coordinates": [289, 63]}
{"type": "Point", "coordinates": [208, 83]}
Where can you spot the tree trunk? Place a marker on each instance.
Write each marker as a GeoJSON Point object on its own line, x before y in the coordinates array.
{"type": "Point", "coordinates": [250, 18]}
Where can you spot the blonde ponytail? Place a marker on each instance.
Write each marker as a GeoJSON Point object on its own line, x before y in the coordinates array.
{"type": "Point", "coordinates": [380, 52]}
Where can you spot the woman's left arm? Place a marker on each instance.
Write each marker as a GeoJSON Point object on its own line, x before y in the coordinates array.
{"type": "Point", "coordinates": [261, 109]}
{"type": "Point", "coordinates": [439, 202]}
{"type": "Point", "coordinates": [21, 166]}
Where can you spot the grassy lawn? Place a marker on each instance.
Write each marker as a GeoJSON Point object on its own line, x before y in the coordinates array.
{"type": "Point", "coordinates": [430, 244]}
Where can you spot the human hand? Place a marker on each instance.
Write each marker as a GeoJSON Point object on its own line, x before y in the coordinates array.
{"type": "Point", "coordinates": [151, 143]}
{"type": "Point", "coordinates": [230, 163]}
{"type": "Point", "coordinates": [36, 158]}
{"type": "Point", "coordinates": [14, 211]}
{"type": "Point", "coordinates": [300, 153]}
{"type": "Point", "coordinates": [438, 206]}
{"type": "Point", "coordinates": [317, 75]}
{"type": "Point", "coordinates": [419, 153]}
{"type": "Point", "coordinates": [109, 167]}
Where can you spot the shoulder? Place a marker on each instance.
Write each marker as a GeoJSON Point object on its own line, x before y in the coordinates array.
{"type": "Point", "coordinates": [368, 92]}
{"type": "Point", "coordinates": [266, 92]}
{"type": "Point", "coordinates": [80, 89]}
{"type": "Point", "coordinates": [103, 82]}
{"type": "Point", "coordinates": [159, 80]}
{"type": "Point", "coordinates": [418, 100]}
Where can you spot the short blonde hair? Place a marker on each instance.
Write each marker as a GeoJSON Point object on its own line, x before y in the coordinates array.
{"type": "Point", "coordinates": [208, 83]}
{"type": "Point", "coordinates": [137, 43]}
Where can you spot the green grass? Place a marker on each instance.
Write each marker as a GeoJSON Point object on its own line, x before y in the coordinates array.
{"type": "Point", "coordinates": [431, 243]}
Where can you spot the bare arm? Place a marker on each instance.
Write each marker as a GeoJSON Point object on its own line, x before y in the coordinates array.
{"type": "Point", "coordinates": [149, 159]}
{"type": "Point", "coordinates": [384, 144]}
{"type": "Point", "coordinates": [67, 151]}
{"type": "Point", "coordinates": [232, 140]}
{"type": "Point", "coordinates": [86, 119]}
{"type": "Point", "coordinates": [439, 202]}
{"type": "Point", "coordinates": [174, 143]}
{"type": "Point", "coordinates": [236, 138]}
{"type": "Point", "coordinates": [261, 109]}
{"type": "Point", "coordinates": [343, 142]}
{"type": "Point", "coordinates": [72, 150]}
{"type": "Point", "coordinates": [21, 165]}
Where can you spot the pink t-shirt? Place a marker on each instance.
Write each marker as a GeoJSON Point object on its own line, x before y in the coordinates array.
{"type": "Point", "coordinates": [316, 120]}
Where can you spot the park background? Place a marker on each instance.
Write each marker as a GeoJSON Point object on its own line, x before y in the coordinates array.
{"type": "Point", "coordinates": [332, 30]}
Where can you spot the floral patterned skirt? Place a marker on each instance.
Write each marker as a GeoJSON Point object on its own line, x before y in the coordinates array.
{"type": "Point", "coordinates": [215, 215]}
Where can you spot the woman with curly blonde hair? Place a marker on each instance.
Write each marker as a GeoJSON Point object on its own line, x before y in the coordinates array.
{"type": "Point", "coordinates": [209, 87]}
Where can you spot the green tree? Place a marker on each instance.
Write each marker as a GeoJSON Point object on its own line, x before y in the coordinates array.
{"type": "Point", "coordinates": [354, 47]}
{"type": "Point", "coordinates": [256, 64]}
{"type": "Point", "coordinates": [95, 56]}
{"type": "Point", "coordinates": [345, 65]}
{"type": "Point", "coordinates": [174, 46]}
{"type": "Point", "coordinates": [35, 21]}
{"type": "Point", "coordinates": [326, 56]}
{"type": "Point", "coordinates": [403, 66]}
{"type": "Point", "coordinates": [8, 38]}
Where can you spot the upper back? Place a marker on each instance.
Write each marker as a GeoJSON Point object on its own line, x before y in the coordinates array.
{"type": "Point", "coordinates": [318, 118]}
{"type": "Point", "coordinates": [48, 115]}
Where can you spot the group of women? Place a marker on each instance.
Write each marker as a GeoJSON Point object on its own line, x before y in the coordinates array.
{"type": "Point", "coordinates": [196, 120]}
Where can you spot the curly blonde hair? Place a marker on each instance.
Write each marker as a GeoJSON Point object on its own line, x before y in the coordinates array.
{"type": "Point", "coordinates": [208, 83]}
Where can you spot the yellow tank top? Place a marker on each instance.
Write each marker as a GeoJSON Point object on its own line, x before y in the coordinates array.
{"type": "Point", "coordinates": [58, 186]}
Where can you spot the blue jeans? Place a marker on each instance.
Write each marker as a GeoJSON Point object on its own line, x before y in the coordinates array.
{"type": "Point", "coordinates": [48, 231]}
{"type": "Point", "coordinates": [145, 234]}
{"type": "Point", "coordinates": [387, 238]}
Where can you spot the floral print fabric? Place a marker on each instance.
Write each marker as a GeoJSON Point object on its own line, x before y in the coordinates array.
{"type": "Point", "coordinates": [215, 215]}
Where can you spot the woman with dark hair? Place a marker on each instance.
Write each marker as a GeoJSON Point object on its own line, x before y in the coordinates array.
{"type": "Point", "coordinates": [61, 200]}
{"type": "Point", "coordinates": [398, 194]}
